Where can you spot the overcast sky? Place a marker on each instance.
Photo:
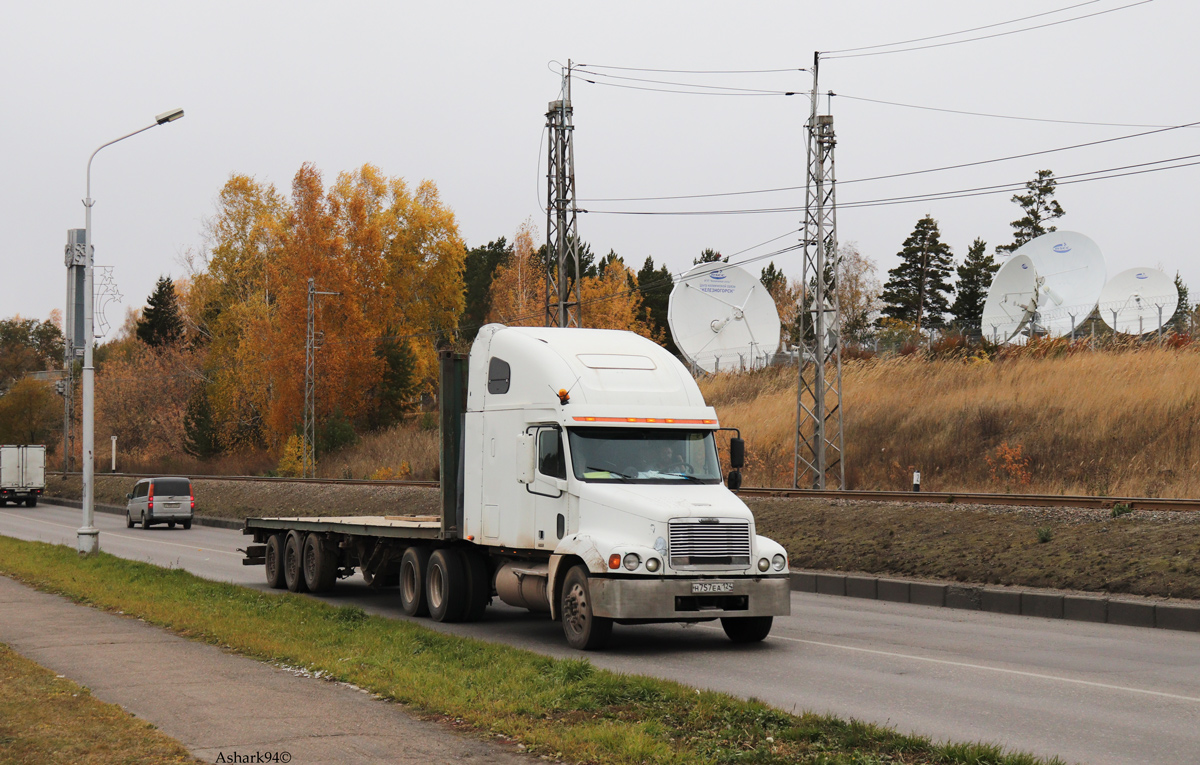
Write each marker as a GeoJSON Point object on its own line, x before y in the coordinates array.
{"type": "Point", "coordinates": [457, 93]}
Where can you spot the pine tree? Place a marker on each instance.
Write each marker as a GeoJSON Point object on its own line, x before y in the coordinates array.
{"type": "Point", "coordinates": [478, 269]}
{"type": "Point", "coordinates": [655, 285]}
{"type": "Point", "coordinates": [1180, 321]}
{"type": "Point", "coordinates": [399, 384]}
{"type": "Point", "coordinates": [161, 325]}
{"type": "Point", "coordinates": [710, 256]}
{"type": "Point", "coordinates": [199, 431]}
{"type": "Point", "coordinates": [1039, 206]}
{"type": "Point", "coordinates": [772, 278]}
{"type": "Point", "coordinates": [974, 277]}
{"type": "Point", "coordinates": [917, 289]}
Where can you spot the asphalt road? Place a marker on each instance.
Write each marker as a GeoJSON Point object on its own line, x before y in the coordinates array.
{"type": "Point", "coordinates": [1094, 693]}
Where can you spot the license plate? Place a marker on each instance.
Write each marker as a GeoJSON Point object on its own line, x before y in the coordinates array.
{"type": "Point", "coordinates": [171, 504]}
{"type": "Point", "coordinates": [706, 588]}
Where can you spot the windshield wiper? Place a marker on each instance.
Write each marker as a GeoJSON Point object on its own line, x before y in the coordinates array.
{"type": "Point", "coordinates": [688, 476]}
{"type": "Point", "coordinates": [611, 473]}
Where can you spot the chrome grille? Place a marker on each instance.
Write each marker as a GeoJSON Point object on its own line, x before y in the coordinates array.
{"type": "Point", "coordinates": [709, 543]}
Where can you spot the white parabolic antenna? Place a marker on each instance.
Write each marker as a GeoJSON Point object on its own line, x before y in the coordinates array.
{"type": "Point", "coordinates": [722, 318]}
{"type": "Point", "coordinates": [1011, 300]}
{"type": "Point", "coordinates": [1073, 273]}
{"type": "Point", "coordinates": [1138, 301]}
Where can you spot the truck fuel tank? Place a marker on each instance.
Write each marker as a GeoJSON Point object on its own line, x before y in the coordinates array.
{"type": "Point", "coordinates": [524, 585]}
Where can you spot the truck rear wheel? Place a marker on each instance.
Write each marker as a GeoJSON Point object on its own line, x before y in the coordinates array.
{"type": "Point", "coordinates": [274, 562]}
{"type": "Point", "coordinates": [584, 630]}
{"type": "Point", "coordinates": [31, 502]}
{"type": "Point", "coordinates": [747, 629]}
{"type": "Point", "coordinates": [319, 564]}
{"type": "Point", "coordinates": [413, 568]}
{"type": "Point", "coordinates": [479, 585]}
{"type": "Point", "coordinates": [446, 586]}
{"type": "Point", "coordinates": [293, 553]}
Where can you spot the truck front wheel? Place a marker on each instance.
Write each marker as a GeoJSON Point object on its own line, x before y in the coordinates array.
{"type": "Point", "coordinates": [584, 630]}
{"type": "Point", "coordinates": [446, 586]}
{"type": "Point", "coordinates": [747, 629]}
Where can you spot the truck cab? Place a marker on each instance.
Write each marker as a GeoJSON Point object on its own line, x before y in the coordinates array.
{"type": "Point", "coordinates": [590, 471]}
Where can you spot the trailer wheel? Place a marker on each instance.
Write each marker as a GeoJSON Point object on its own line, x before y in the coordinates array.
{"type": "Point", "coordinates": [446, 586]}
{"type": "Point", "coordinates": [479, 585]}
{"type": "Point", "coordinates": [320, 565]}
{"type": "Point", "coordinates": [293, 553]}
{"type": "Point", "coordinates": [747, 629]}
{"type": "Point", "coordinates": [413, 568]}
{"type": "Point", "coordinates": [584, 630]}
{"type": "Point", "coordinates": [274, 562]}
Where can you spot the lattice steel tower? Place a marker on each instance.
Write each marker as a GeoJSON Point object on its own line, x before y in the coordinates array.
{"type": "Point", "coordinates": [819, 461]}
{"type": "Point", "coordinates": [312, 341]}
{"type": "Point", "coordinates": [562, 232]}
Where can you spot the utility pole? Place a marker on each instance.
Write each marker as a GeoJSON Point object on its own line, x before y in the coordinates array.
{"type": "Point", "coordinates": [819, 444]}
{"type": "Point", "coordinates": [308, 464]}
{"type": "Point", "coordinates": [562, 232]}
{"type": "Point", "coordinates": [75, 258]}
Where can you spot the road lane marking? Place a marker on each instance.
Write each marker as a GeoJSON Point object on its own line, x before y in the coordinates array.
{"type": "Point", "coordinates": [966, 665]}
{"type": "Point", "coordinates": [122, 536]}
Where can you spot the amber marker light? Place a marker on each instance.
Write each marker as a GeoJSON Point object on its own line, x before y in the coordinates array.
{"type": "Point", "coordinates": [614, 560]}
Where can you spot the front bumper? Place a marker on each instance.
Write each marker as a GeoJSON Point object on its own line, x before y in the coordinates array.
{"type": "Point", "coordinates": [671, 598]}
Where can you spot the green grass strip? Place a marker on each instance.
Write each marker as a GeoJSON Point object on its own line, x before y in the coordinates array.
{"type": "Point", "coordinates": [561, 707]}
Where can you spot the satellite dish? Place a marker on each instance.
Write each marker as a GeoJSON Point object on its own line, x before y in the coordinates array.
{"type": "Point", "coordinates": [1138, 301]}
{"type": "Point", "coordinates": [1011, 300]}
{"type": "Point", "coordinates": [722, 318]}
{"type": "Point", "coordinates": [1073, 273]}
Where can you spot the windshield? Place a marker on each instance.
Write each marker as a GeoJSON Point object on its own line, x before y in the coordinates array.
{"type": "Point", "coordinates": [644, 455]}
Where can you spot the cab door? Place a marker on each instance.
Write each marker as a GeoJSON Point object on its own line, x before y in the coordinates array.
{"type": "Point", "coordinates": [549, 487]}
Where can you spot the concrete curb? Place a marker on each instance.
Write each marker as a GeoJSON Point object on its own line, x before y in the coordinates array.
{"type": "Point", "coordinates": [1044, 604]}
{"type": "Point", "coordinates": [199, 520]}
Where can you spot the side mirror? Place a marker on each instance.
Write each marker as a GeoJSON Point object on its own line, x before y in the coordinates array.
{"type": "Point", "coordinates": [735, 480]}
{"type": "Point", "coordinates": [526, 455]}
{"type": "Point", "coordinates": [128, 496]}
{"type": "Point", "coordinates": [737, 453]}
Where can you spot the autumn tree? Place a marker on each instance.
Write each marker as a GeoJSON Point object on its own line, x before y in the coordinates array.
{"type": "Point", "coordinates": [917, 289]}
{"type": "Point", "coordinates": [787, 294]}
{"type": "Point", "coordinates": [161, 324]}
{"type": "Point", "coordinates": [518, 292]}
{"type": "Point", "coordinates": [974, 278]}
{"type": "Point", "coordinates": [858, 292]}
{"type": "Point", "coordinates": [29, 412]}
{"type": "Point", "coordinates": [1180, 322]}
{"type": "Point", "coordinates": [28, 345]}
{"type": "Point", "coordinates": [611, 299]}
{"type": "Point", "coordinates": [1038, 206]}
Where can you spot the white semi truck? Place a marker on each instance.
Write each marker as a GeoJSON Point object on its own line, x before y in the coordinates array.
{"type": "Point", "coordinates": [580, 478]}
{"type": "Point", "coordinates": [22, 474]}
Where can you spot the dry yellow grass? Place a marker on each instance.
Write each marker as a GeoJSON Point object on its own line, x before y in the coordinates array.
{"type": "Point", "coordinates": [1100, 423]}
{"type": "Point", "coordinates": [406, 451]}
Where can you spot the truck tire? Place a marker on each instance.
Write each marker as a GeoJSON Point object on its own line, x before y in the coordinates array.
{"type": "Point", "coordinates": [747, 629]}
{"type": "Point", "coordinates": [446, 586]}
{"type": "Point", "coordinates": [31, 502]}
{"type": "Point", "coordinates": [319, 564]}
{"type": "Point", "coordinates": [413, 568]}
{"type": "Point", "coordinates": [479, 585]}
{"type": "Point", "coordinates": [128, 520]}
{"type": "Point", "coordinates": [293, 554]}
{"type": "Point", "coordinates": [274, 562]}
{"type": "Point", "coordinates": [584, 630]}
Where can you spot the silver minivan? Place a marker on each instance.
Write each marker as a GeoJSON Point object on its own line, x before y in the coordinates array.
{"type": "Point", "coordinates": [161, 500]}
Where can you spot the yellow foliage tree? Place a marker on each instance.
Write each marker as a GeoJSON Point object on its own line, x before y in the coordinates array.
{"type": "Point", "coordinates": [518, 291]}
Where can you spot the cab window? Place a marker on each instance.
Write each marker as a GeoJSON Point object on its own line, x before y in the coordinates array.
{"type": "Point", "coordinates": [550, 454]}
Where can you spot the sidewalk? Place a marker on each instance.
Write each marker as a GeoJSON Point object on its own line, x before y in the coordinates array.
{"type": "Point", "coordinates": [217, 703]}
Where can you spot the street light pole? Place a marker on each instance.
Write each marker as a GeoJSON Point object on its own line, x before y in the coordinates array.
{"type": "Point", "coordinates": [88, 533]}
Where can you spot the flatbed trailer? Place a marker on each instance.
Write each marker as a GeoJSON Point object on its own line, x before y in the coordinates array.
{"type": "Point", "coordinates": [600, 503]}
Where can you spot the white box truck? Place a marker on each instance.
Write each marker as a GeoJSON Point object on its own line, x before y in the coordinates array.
{"type": "Point", "coordinates": [22, 474]}
{"type": "Point", "coordinates": [580, 477]}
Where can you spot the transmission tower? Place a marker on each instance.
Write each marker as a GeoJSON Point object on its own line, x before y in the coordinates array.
{"type": "Point", "coordinates": [819, 445]}
{"type": "Point", "coordinates": [562, 232]}
{"type": "Point", "coordinates": [312, 341]}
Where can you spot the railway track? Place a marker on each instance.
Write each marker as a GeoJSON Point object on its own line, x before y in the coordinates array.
{"type": "Point", "coordinates": [948, 497]}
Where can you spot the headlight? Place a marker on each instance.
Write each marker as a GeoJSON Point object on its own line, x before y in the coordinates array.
{"type": "Point", "coordinates": [778, 562]}
{"type": "Point", "coordinates": [632, 561]}
{"type": "Point", "coordinates": [763, 564]}
{"type": "Point", "coordinates": [652, 565]}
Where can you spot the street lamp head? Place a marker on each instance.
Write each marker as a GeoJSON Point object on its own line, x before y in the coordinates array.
{"type": "Point", "coordinates": [170, 116]}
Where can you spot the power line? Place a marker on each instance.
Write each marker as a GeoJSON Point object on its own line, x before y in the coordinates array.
{"type": "Point", "coordinates": [691, 92]}
{"type": "Point", "coordinates": [697, 71]}
{"type": "Point", "coordinates": [961, 31]}
{"type": "Point", "coordinates": [999, 116]}
{"type": "Point", "coordinates": [992, 36]}
{"type": "Point", "coordinates": [578, 70]}
{"type": "Point", "coordinates": [897, 175]}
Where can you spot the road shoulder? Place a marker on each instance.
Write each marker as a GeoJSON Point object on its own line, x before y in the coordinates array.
{"type": "Point", "coordinates": [218, 703]}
